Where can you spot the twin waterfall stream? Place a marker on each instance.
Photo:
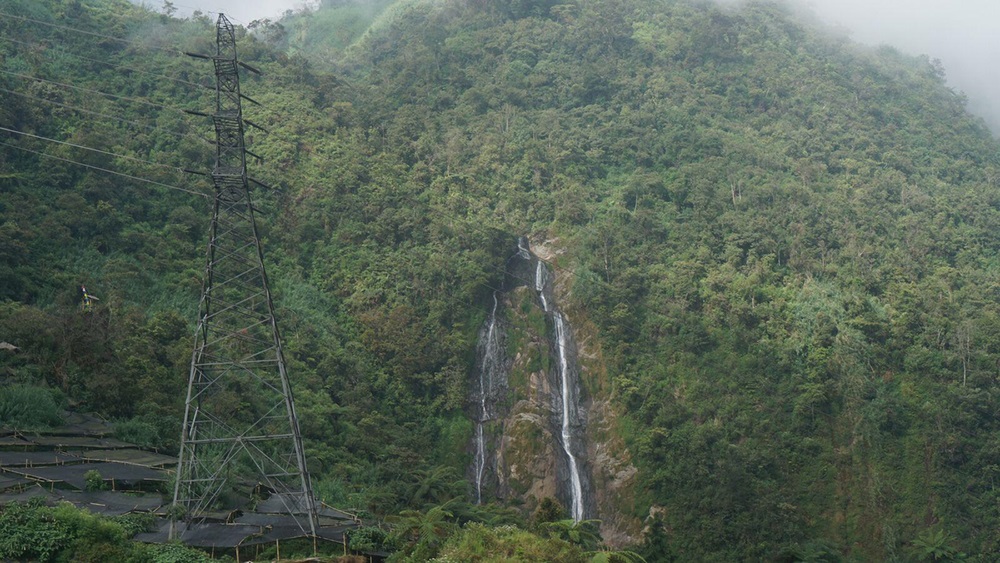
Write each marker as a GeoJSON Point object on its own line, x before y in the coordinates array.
{"type": "Point", "coordinates": [491, 393]}
{"type": "Point", "coordinates": [491, 375]}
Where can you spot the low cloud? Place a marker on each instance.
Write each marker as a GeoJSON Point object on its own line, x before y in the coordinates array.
{"type": "Point", "coordinates": [963, 34]}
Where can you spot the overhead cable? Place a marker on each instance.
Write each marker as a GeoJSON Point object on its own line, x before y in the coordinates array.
{"type": "Point", "coordinates": [107, 116]}
{"type": "Point", "coordinates": [84, 147]}
{"type": "Point", "coordinates": [203, 10]}
{"type": "Point", "coordinates": [85, 32]}
{"type": "Point", "coordinates": [91, 91]}
{"type": "Point", "coordinates": [113, 65]}
{"type": "Point", "coordinates": [98, 168]}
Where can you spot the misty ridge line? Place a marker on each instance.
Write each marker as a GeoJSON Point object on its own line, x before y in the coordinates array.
{"type": "Point", "coordinates": [961, 37]}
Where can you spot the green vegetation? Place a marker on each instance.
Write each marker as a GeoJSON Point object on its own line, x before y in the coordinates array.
{"type": "Point", "coordinates": [787, 244]}
{"type": "Point", "coordinates": [26, 407]}
{"type": "Point", "coordinates": [33, 532]}
{"type": "Point", "coordinates": [94, 481]}
{"type": "Point", "coordinates": [506, 543]}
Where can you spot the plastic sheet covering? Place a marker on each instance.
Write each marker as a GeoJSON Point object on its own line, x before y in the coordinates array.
{"type": "Point", "coordinates": [89, 442]}
{"type": "Point", "coordinates": [327, 512]}
{"type": "Point", "coordinates": [32, 459]}
{"type": "Point", "coordinates": [31, 492]}
{"type": "Point", "coordinates": [292, 504]}
{"type": "Point", "coordinates": [74, 474]}
{"type": "Point", "coordinates": [8, 482]}
{"type": "Point", "coordinates": [220, 535]}
{"type": "Point", "coordinates": [282, 504]}
{"type": "Point", "coordinates": [108, 503]}
{"type": "Point", "coordinates": [205, 535]}
{"type": "Point", "coordinates": [12, 441]}
{"type": "Point", "coordinates": [133, 456]}
{"type": "Point", "coordinates": [80, 424]}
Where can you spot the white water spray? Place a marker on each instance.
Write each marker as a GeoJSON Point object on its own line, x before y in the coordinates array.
{"type": "Point", "coordinates": [567, 396]}
{"type": "Point", "coordinates": [540, 285]}
{"type": "Point", "coordinates": [490, 364]}
{"type": "Point", "coordinates": [522, 248]}
{"type": "Point", "coordinates": [568, 412]}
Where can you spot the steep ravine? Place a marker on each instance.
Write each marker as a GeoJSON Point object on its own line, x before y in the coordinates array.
{"type": "Point", "coordinates": [545, 425]}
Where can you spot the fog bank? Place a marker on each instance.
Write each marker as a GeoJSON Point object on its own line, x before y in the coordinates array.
{"type": "Point", "coordinates": [963, 34]}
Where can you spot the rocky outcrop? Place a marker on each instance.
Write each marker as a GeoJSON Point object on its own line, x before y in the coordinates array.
{"type": "Point", "coordinates": [529, 461]}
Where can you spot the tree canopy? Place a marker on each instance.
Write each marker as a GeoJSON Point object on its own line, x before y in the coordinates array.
{"type": "Point", "coordinates": [785, 244]}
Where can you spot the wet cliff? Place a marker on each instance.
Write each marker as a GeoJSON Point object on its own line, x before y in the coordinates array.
{"type": "Point", "coordinates": [545, 427]}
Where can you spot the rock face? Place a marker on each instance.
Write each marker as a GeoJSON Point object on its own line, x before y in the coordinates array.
{"type": "Point", "coordinates": [490, 386]}
{"type": "Point", "coordinates": [553, 431]}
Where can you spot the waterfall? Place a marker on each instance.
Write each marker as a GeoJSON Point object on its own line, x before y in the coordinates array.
{"type": "Point", "coordinates": [567, 386]}
{"type": "Point", "coordinates": [540, 279]}
{"type": "Point", "coordinates": [490, 376]}
{"type": "Point", "coordinates": [568, 414]}
{"type": "Point", "coordinates": [522, 248]}
{"type": "Point", "coordinates": [490, 404]}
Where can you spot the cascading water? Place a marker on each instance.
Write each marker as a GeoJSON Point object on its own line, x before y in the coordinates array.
{"type": "Point", "coordinates": [522, 249]}
{"type": "Point", "coordinates": [568, 414]}
{"type": "Point", "coordinates": [491, 376]}
{"type": "Point", "coordinates": [568, 396]}
{"type": "Point", "coordinates": [495, 448]}
{"type": "Point", "coordinates": [540, 279]}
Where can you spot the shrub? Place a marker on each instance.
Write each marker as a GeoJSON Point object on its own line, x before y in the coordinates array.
{"type": "Point", "coordinates": [477, 542]}
{"type": "Point", "coordinates": [28, 532]}
{"type": "Point", "coordinates": [94, 481]}
{"type": "Point", "coordinates": [27, 407]}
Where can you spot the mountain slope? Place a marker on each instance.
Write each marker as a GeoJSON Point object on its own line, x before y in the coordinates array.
{"type": "Point", "coordinates": [782, 237]}
{"type": "Point", "coordinates": [780, 247]}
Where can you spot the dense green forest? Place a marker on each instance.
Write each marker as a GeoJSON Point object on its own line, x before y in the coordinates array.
{"type": "Point", "coordinates": [785, 244]}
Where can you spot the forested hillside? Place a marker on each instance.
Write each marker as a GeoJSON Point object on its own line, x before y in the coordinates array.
{"type": "Point", "coordinates": [783, 246]}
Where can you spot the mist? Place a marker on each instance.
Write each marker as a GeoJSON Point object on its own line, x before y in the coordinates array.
{"type": "Point", "coordinates": [239, 11]}
{"type": "Point", "coordinates": [963, 34]}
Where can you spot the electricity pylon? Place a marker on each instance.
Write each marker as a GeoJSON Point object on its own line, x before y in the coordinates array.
{"type": "Point", "coordinates": [240, 427]}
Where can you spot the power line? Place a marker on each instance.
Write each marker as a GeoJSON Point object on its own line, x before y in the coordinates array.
{"type": "Point", "coordinates": [125, 41]}
{"type": "Point", "coordinates": [203, 10]}
{"type": "Point", "coordinates": [502, 270]}
{"type": "Point", "coordinates": [136, 100]}
{"type": "Point", "coordinates": [104, 115]}
{"type": "Point", "coordinates": [91, 91]}
{"type": "Point", "coordinates": [98, 168]}
{"type": "Point", "coordinates": [174, 51]}
{"type": "Point", "coordinates": [150, 163]}
{"type": "Point", "coordinates": [116, 96]}
{"type": "Point", "coordinates": [91, 33]}
{"type": "Point", "coordinates": [98, 61]}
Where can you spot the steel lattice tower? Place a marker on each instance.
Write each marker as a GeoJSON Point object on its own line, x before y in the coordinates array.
{"type": "Point", "coordinates": [240, 428]}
